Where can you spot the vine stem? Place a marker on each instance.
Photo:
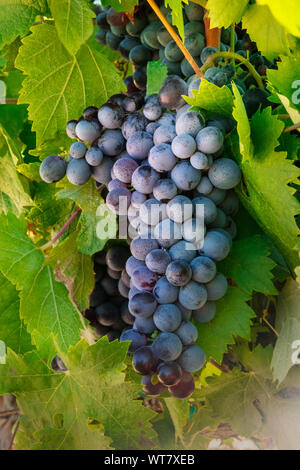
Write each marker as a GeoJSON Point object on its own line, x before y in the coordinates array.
{"type": "Point", "coordinates": [14, 435]}
{"type": "Point", "coordinates": [232, 45]}
{"type": "Point", "coordinates": [283, 116]}
{"type": "Point", "coordinates": [10, 100]}
{"type": "Point", "coordinates": [62, 230]}
{"type": "Point", "coordinates": [238, 57]}
{"type": "Point", "coordinates": [212, 35]}
{"type": "Point", "coordinates": [218, 366]}
{"type": "Point", "coordinates": [291, 128]}
{"type": "Point", "coordinates": [3, 414]}
{"type": "Point", "coordinates": [176, 38]}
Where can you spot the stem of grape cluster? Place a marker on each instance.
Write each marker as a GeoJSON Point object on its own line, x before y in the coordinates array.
{"type": "Point", "coordinates": [176, 38]}
{"type": "Point", "coordinates": [291, 128]}
{"type": "Point", "coordinates": [233, 55]}
{"type": "Point", "coordinates": [62, 230]}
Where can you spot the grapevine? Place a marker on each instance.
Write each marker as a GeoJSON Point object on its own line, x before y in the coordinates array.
{"type": "Point", "coordinates": [149, 225]}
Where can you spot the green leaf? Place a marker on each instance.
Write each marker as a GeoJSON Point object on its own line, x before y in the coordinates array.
{"type": "Point", "coordinates": [156, 74]}
{"type": "Point", "coordinates": [224, 13]}
{"type": "Point", "coordinates": [73, 21]}
{"type": "Point", "coordinates": [75, 269]}
{"type": "Point", "coordinates": [30, 170]}
{"type": "Point", "coordinates": [285, 81]}
{"type": "Point", "coordinates": [249, 265]}
{"type": "Point", "coordinates": [45, 303]}
{"type": "Point", "coordinates": [233, 318]}
{"type": "Point", "coordinates": [286, 13]}
{"type": "Point", "coordinates": [177, 14]}
{"type": "Point", "coordinates": [12, 329]}
{"type": "Point", "coordinates": [58, 85]}
{"type": "Point", "coordinates": [288, 327]}
{"type": "Point", "coordinates": [267, 174]}
{"type": "Point", "coordinates": [121, 5]}
{"type": "Point", "coordinates": [13, 188]}
{"type": "Point", "coordinates": [179, 411]}
{"type": "Point", "coordinates": [271, 38]}
{"type": "Point", "coordinates": [18, 16]}
{"type": "Point", "coordinates": [212, 98]}
{"type": "Point", "coordinates": [93, 388]}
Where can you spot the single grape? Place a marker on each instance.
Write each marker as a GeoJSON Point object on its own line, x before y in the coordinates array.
{"type": "Point", "coordinates": [157, 261]}
{"type": "Point", "coordinates": [207, 52]}
{"type": "Point", "coordinates": [217, 195]}
{"type": "Point", "coordinates": [185, 176]}
{"type": "Point", "coordinates": [194, 43]}
{"type": "Point", "coordinates": [124, 168]}
{"type": "Point", "coordinates": [164, 190]}
{"type": "Point", "coordinates": [140, 81]}
{"type": "Point", "coordinates": [139, 144]}
{"type": "Point", "coordinates": [107, 314]}
{"type": "Point", "coordinates": [102, 172]}
{"type": "Point", "coordinates": [115, 184]}
{"type": "Point", "coordinates": [135, 28]}
{"type": "Point", "coordinates": [217, 288]}
{"type": "Point", "coordinates": [112, 40]}
{"type": "Point", "coordinates": [205, 186]}
{"type": "Point", "coordinates": [164, 292]}
{"type": "Point", "coordinates": [94, 156]}
{"type": "Point", "coordinates": [192, 358]}
{"type": "Point", "coordinates": [167, 346]}
{"type": "Point", "coordinates": [187, 333]}
{"type": "Point", "coordinates": [151, 128]}
{"type": "Point", "coordinates": [164, 134]}
{"type": "Point", "coordinates": [205, 313]}
{"type": "Point", "coordinates": [88, 131]}
{"type": "Point", "coordinates": [101, 36]}
{"type": "Point", "coordinates": [142, 304]}
{"type": "Point", "coordinates": [152, 109]}
{"type": "Point", "coordinates": [183, 146]}
{"type": "Point", "coordinates": [134, 102]}
{"type": "Point", "coordinates": [78, 172]}
{"type": "Point", "coordinates": [111, 116]}
{"type": "Point", "coordinates": [53, 169]}
{"type": "Point", "coordinates": [216, 246]}
{"type": "Point", "coordinates": [220, 221]}
{"type": "Point", "coordinates": [194, 86]}
{"type": "Point", "coordinates": [200, 161]}
{"type": "Point", "coordinates": [70, 129]}
{"type": "Point", "coordinates": [116, 257]}
{"type": "Point", "coordinates": [172, 52]}
{"type": "Point", "coordinates": [114, 274]}
{"type": "Point", "coordinates": [101, 20]}
{"type": "Point", "coordinates": [140, 55]}
{"type": "Point", "coordinates": [143, 361]}
{"type": "Point", "coordinates": [144, 179]}
{"type": "Point", "coordinates": [111, 142]}
{"type": "Point", "coordinates": [167, 233]}
{"type": "Point", "coordinates": [183, 250]}
{"type": "Point", "coordinates": [171, 92]}
{"type": "Point", "coordinates": [167, 317]}
{"type": "Point", "coordinates": [161, 158]}
{"type": "Point", "coordinates": [118, 200]}
{"type": "Point", "coordinates": [144, 325]}
{"type": "Point", "coordinates": [144, 279]}
{"type": "Point", "coordinates": [192, 295]}
{"type": "Point", "coordinates": [169, 373]}
{"type": "Point", "coordinates": [209, 140]}
{"type": "Point", "coordinates": [186, 68]}
{"type": "Point", "coordinates": [133, 123]}
{"type": "Point", "coordinates": [132, 263]}
{"type": "Point", "coordinates": [137, 339]}
{"type": "Point", "coordinates": [179, 273]}
{"type": "Point", "coordinates": [224, 173]}
{"type": "Point", "coordinates": [189, 122]}
{"type": "Point", "coordinates": [180, 208]}
{"type": "Point", "coordinates": [209, 208]}
{"type": "Point", "coordinates": [194, 12]}
{"type": "Point", "coordinates": [203, 269]}
{"type": "Point", "coordinates": [149, 35]}
{"type": "Point", "coordinates": [163, 37]}
{"type": "Point", "coordinates": [184, 388]}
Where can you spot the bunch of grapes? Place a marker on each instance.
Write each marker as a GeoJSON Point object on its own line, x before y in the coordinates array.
{"type": "Point", "coordinates": [108, 312]}
{"type": "Point", "coordinates": [160, 164]}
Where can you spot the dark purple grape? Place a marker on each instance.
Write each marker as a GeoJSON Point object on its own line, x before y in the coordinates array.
{"type": "Point", "coordinates": [184, 388]}
{"type": "Point", "coordinates": [53, 169]}
{"type": "Point", "coordinates": [169, 373]}
{"type": "Point", "coordinates": [143, 360]}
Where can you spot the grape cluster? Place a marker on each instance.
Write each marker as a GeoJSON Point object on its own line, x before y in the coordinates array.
{"type": "Point", "coordinates": [172, 166]}
{"type": "Point", "coordinates": [108, 312]}
{"type": "Point", "coordinates": [145, 38]}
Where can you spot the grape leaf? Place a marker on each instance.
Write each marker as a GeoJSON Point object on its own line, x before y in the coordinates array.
{"type": "Point", "coordinates": [288, 327]}
{"type": "Point", "coordinates": [73, 21]}
{"type": "Point", "coordinates": [212, 98]}
{"type": "Point", "coordinates": [249, 265]}
{"type": "Point", "coordinates": [179, 411]}
{"type": "Point", "coordinates": [58, 85]}
{"type": "Point", "coordinates": [285, 81]}
{"type": "Point", "coordinates": [12, 329]}
{"type": "Point", "coordinates": [16, 17]}
{"type": "Point", "coordinates": [121, 5]}
{"type": "Point", "coordinates": [286, 13]}
{"type": "Point", "coordinates": [177, 14]}
{"type": "Point", "coordinates": [88, 390]}
{"type": "Point", "coordinates": [75, 269]}
{"type": "Point", "coordinates": [156, 74]}
{"type": "Point", "coordinates": [233, 318]}
{"type": "Point", "coordinates": [271, 38]}
{"type": "Point", "coordinates": [45, 304]}
{"type": "Point", "coordinates": [13, 188]}
{"type": "Point", "coordinates": [267, 174]}
{"type": "Point", "coordinates": [30, 170]}
{"type": "Point", "coordinates": [223, 13]}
